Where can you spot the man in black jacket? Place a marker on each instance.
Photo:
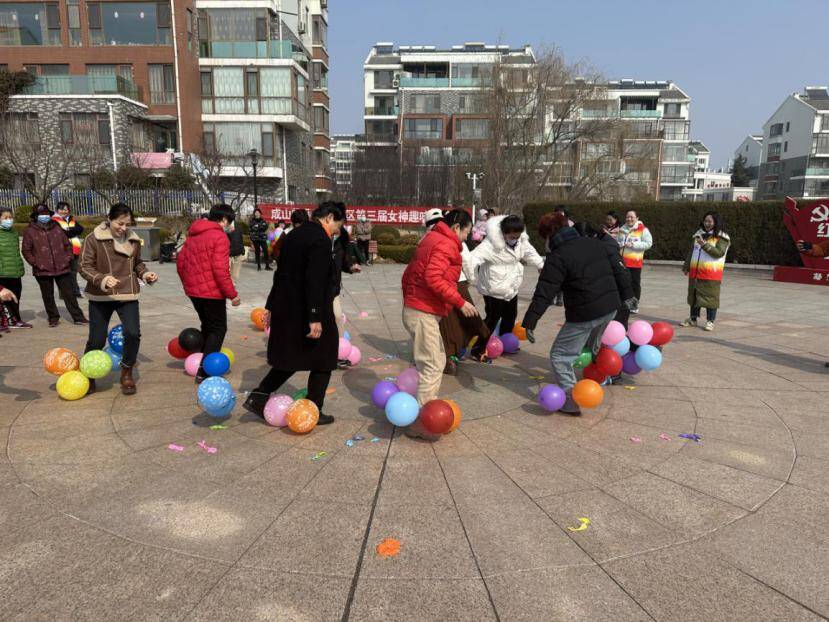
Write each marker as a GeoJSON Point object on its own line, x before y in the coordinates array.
{"type": "Point", "coordinates": [594, 282]}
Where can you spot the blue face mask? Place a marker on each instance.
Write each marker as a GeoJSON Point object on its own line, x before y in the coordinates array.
{"type": "Point", "coordinates": [512, 243]}
{"type": "Point", "coordinates": [43, 218]}
{"type": "Point", "coordinates": [6, 224]}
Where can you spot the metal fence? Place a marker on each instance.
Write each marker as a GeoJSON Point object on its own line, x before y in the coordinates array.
{"type": "Point", "coordinates": [97, 203]}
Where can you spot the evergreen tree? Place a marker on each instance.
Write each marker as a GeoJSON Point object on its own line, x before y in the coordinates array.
{"type": "Point", "coordinates": [739, 173]}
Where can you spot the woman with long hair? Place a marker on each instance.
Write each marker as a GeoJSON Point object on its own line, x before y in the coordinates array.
{"type": "Point", "coordinates": [704, 268]}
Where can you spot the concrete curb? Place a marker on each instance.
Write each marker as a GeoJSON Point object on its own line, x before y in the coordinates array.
{"type": "Point", "coordinates": [730, 266]}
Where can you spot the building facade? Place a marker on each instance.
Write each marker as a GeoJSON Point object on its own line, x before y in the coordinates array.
{"type": "Point", "coordinates": [752, 150]}
{"type": "Point", "coordinates": [343, 148]}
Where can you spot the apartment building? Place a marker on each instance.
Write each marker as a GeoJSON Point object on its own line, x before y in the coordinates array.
{"type": "Point", "coordinates": [343, 148]}
{"type": "Point", "coordinates": [752, 150]}
{"type": "Point", "coordinates": [795, 156]}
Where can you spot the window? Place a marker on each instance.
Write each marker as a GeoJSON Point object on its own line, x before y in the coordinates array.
{"type": "Point", "coordinates": [235, 140]}
{"type": "Point", "coordinates": [776, 129]}
{"type": "Point", "coordinates": [472, 129]}
{"type": "Point", "coordinates": [189, 26]}
{"type": "Point", "coordinates": [593, 151]}
{"type": "Point", "coordinates": [675, 153]}
{"type": "Point", "coordinates": [73, 12]}
{"type": "Point", "coordinates": [423, 129]}
{"type": "Point", "coordinates": [472, 104]}
{"type": "Point", "coordinates": [104, 135]}
{"type": "Point", "coordinates": [820, 145]}
{"type": "Point", "coordinates": [383, 79]}
{"type": "Point", "coordinates": [774, 149]}
{"type": "Point", "coordinates": [676, 130]}
{"type": "Point", "coordinates": [84, 128]}
{"type": "Point", "coordinates": [785, 146]}
{"type": "Point", "coordinates": [261, 28]}
{"type": "Point", "coordinates": [162, 84]}
{"type": "Point", "coordinates": [267, 144]}
{"type": "Point", "coordinates": [206, 84]}
{"type": "Point", "coordinates": [208, 142]}
{"type": "Point", "coordinates": [319, 76]}
{"type": "Point", "coordinates": [319, 31]}
{"type": "Point", "coordinates": [787, 126]}
{"type": "Point", "coordinates": [320, 120]}
{"type": "Point", "coordinates": [673, 111]}
{"type": "Point", "coordinates": [32, 23]}
{"type": "Point", "coordinates": [471, 74]}
{"type": "Point", "coordinates": [129, 23]}
{"type": "Point", "coordinates": [425, 103]}
{"type": "Point", "coordinates": [824, 122]}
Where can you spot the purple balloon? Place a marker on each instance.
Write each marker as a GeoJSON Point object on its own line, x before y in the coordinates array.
{"type": "Point", "coordinates": [382, 391]}
{"type": "Point", "coordinates": [407, 381]}
{"type": "Point", "coordinates": [511, 343]}
{"type": "Point", "coordinates": [551, 397]}
{"type": "Point", "coordinates": [629, 365]}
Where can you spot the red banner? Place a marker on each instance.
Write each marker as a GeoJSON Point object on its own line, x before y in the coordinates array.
{"type": "Point", "coordinates": [401, 216]}
{"type": "Point", "coordinates": [808, 221]}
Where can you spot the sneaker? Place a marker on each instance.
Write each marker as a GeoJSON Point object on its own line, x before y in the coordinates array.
{"type": "Point", "coordinates": [709, 326]}
{"type": "Point", "coordinates": [81, 322]}
{"type": "Point", "coordinates": [20, 324]}
{"type": "Point", "coordinates": [343, 364]}
{"type": "Point", "coordinates": [691, 321]}
{"type": "Point", "coordinates": [570, 407]}
{"type": "Point", "coordinates": [255, 404]}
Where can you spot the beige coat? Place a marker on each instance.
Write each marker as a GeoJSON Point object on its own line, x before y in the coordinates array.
{"type": "Point", "coordinates": [103, 256]}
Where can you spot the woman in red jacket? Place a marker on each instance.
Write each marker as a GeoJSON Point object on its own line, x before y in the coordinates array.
{"type": "Point", "coordinates": [430, 290]}
{"type": "Point", "coordinates": [203, 266]}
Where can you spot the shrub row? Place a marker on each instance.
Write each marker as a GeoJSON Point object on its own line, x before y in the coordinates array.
{"type": "Point", "coordinates": [401, 253]}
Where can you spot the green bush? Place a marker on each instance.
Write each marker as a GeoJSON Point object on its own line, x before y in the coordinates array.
{"type": "Point", "coordinates": [398, 253]}
{"type": "Point", "coordinates": [387, 239]}
{"type": "Point", "coordinates": [411, 239]}
{"type": "Point", "coordinates": [378, 230]}
{"type": "Point", "coordinates": [758, 235]}
{"type": "Point", "coordinates": [23, 213]}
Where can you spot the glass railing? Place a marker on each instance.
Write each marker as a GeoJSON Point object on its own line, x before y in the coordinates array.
{"type": "Point", "coordinates": [391, 111]}
{"type": "Point", "coordinates": [85, 85]}
{"type": "Point", "coordinates": [817, 171]}
{"type": "Point", "coordinates": [602, 113]}
{"type": "Point", "coordinates": [424, 82]}
{"type": "Point", "coordinates": [250, 49]}
{"type": "Point", "coordinates": [641, 114]}
{"type": "Point", "coordinates": [460, 82]}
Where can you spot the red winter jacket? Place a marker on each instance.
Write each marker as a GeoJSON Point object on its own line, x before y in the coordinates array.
{"type": "Point", "coordinates": [430, 282]}
{"type": "Point", "coordinates": [203, 263]}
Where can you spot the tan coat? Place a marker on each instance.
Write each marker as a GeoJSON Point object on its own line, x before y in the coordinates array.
{"type": "Point", "coordinates": [103, 256]}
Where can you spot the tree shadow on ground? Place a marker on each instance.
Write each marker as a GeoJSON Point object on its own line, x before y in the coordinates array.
{"type": "Point", "coordinates": [793, 361]}
{"type": "Point", "coordinates": [23, 395]}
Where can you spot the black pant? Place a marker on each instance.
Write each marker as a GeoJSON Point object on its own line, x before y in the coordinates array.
{"type": "Point", "coordinates": [47, 291]}
{"type": "Point", "coordinates": [260, 250]}
{"type": "Point", "coordinates": [363, 246]}
{"type": "Point", "coordinates": [710, 314]}
{"type": "Point", "coordinates": [317, 384]}
{"type": "Point", "coordinates": [504, 310]}
{"type": "Point", "coordinates": [100, 312]}
{"type": "Point", "coordinates": [73, 271]}
{"type": "Point", "coordinates": [636, 281]}
{"type": "Point", "coordinates": [16, 287]}
{"type": "Point", "coordinates": [213, 317]}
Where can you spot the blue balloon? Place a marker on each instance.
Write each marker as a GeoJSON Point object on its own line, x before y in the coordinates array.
{"type": "Point", "coordinates": [623, 347]}
{"type": "Point", "coordinates": [215, 394]}
{"type": "Point", "coordinates": [116, 339]}
{"type": "Point", "coordinates": [222, 413]}
{"type": "Point", "coordinates": [115, 356]}
{"type": "Point", "coordinates": [347, 336]}
{"type": "Point", "coordinates": [216, 364]}
{"type": "Point", "coordinates": [648, 357]}
{"type": "Point", "coordinates": [402, 409]}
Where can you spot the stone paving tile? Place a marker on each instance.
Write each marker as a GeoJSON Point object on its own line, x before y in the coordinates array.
{"type": "Point", "coordinates": [769, 463]}
{"type": "Point", "coordinates": [811, 444]}
{"type": "Point", "coordinates": [811, 473]}
{"type": "Point", "coordinates": [417, 481]}
{"type": "Point", "coordinates": [590, 465]}
{"type": "Point", "coordinates": [536, 475]}
{"type": "Point", "coordinates": [775, 438]}
{"type": "Point", "coordinates": [347, 478]}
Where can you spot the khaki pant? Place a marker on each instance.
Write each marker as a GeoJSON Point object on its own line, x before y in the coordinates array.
{"type": "Point", "coordinates": [338, 314]}
{"type": "Point", "coordinates": [236, 267]}
{"type": "Point", "coordinates": [429, 355]}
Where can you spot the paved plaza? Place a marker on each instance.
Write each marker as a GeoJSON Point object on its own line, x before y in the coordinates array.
{"type": "Point", "coordinates": [99, 520]}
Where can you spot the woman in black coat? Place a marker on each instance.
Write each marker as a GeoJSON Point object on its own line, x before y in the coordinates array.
{"type": "Point", "coordinates": [304, 334]}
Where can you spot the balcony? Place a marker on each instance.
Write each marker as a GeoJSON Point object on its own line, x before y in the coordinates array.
{"type": "Point", "coordinates": [85, 85]}
{"type": "Point", "coordinates": [599, 113]}
{"type": "Point", "coordinates": [250, 49]}
{"type": "Point", "coordinates": [424, 83]}
{"type": "Point", "coordinates": [471, 82]}
{"type": "Point", "coordinates": [641, 114]}
{"type": "Point", "coordinates": [382, 111]}
{"type": "Point", "coordinates": [818, 172]}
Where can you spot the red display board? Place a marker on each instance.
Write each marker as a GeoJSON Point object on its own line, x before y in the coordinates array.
{"type": "Point", "coordinates": [808, 221]}
{"type": "Point", "coordinates": [400, 216]}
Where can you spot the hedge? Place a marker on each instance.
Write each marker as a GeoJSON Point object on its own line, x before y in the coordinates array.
{"type": "Point", "coordinates": [398, 253]}
{"type": "Point", "coordinates": [758, 235]}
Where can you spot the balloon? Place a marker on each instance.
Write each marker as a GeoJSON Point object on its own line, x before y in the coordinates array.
{"type": "Point", "coordinates": [216, 364]}
{"type": "Point", "coordinates": [277, 409]}
{"type": "Point", "coordinates": [623, 347]}
{"type": "Point", "coordinates": [456, 411]}
{"type": "Point", "coordinates": [640, 332]}
{"type": "Point", "coordinates": [355, 355]}
{"type": "Point", "coordinates": [408, 380]}
{"type": "Point", "coordinates": [588, 394]}
{"type": "Point", "coordinates": [662, 334]}
{"type": "Point", "coordinates": [381, 393]}
{"type": "Point", "coordinates": [551, 397]}
{"type": "Point", "coordinates": [613, 334]}
{"type": "Point", "coordinates": [229, 354]}
{"type": "Point", "coordinates": [592, 372]}
{"type": "Point", "coordinates": [114, 356]}
{"type": "Point", "coordinates": [648, 357]}
{"type": "Point", "coordinates": [192, 363]}
{"type": "Point", "coordinates": [96, 364]}
{"type": "Point", "coordinates": [257, 316]}
{"type": "Point", "coordinates": [191, 340]}
{"type": "Point", "coordinates": [268, 332]}
{"type": "Point", "coordinates": [437, 416]}
{"type": "Point", "coordinates": [302, 416]}
{"type": "Point", "coordinates": [214, 394]}
{"type": "Point", "coordinates": [609, 362]}
{"type": "Point", "coordinates": [494, 347]}
{"type": "Point", "coordinates": [347, 335]}
{"type": "Point", "coordinates": [583, 360]}
{"type": "Point", "coordinates": [520, 332]}
{"type": "Point", "coordinates": [221, 413]}
{"type": "Point", "coordinates": [300, 394]}
{"type": "Point", "coordinates": [511, 343]}
{"type": "Point", "coordinates": [401, 409]}
{"type": "Point", "coordinates": [344, 349]}
{"type": "Point", "coordinates": [72, 385]}
{"type": "Point", "coordinates": [629, 365]}
{"type": "Point", "coordinates": [116, 339]}
{"type": "Point", "coordinates": [58, 361]}
{"type": "Point", "coordinates": [175, 350]}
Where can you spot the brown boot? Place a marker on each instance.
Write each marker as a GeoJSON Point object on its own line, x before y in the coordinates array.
{"type": "Point", "coordinates": [127, 383]}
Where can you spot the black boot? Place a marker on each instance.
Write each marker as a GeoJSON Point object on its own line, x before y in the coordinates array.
{"type": "Point", "coordinates": [255, 403]}
{"type": "Point", "coordinates": [325, 419]}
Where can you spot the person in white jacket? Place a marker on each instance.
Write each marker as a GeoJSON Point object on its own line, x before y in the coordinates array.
{"type": "Point", "coordinates": [634, 238]}
{"type": "Point", "coordinates": [496, 266]}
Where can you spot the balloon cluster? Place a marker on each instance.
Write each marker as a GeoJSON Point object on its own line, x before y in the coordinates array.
{"type": "Point", "coordinates": [508, 343]}
{"type": "Point", "coordinates": [398, 401]}
{"type": "Point", "coordinates": [346, 351]}
{"type": "Point", "coordinates": [187, 347]}
{"type": "Point", "coordinates": [75, 373]}
{"type": "Point", "coordinates": [299, 415]}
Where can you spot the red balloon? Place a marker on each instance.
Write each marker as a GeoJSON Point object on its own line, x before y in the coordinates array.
{"type": "Point", "coordinates": [437, 416]}
{"type": "Point", "coordinates": [175, 350]}
{"type": "Point", "coordinates": [592, 372]}
{"type": "Point", "coordinates": [662, 333]}
{"type": "Point", "coordinates": [609, 362]}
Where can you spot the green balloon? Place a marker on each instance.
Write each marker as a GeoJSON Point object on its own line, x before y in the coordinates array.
{"type": "Point", "coordinates": [300, 395]}
{"type": "Point", "coordinates": [96, 364]}
{"type": "Point", "coordinates": [583, 360]}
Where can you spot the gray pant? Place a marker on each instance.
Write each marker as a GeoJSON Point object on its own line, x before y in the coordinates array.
{"type": "Point", "coordinates": [568, 345]}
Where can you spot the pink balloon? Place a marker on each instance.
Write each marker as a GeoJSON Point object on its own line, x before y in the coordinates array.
{"type": "Point", "coordinates": [344, 349]}
{"type": "Point", "coordinates": [192, 362]}
{"type": "Point", "coordinates": [494, 347]}
{"type": "Point", "coordinates": [640, 332]}
{"type": "Point", "coordinates": [613, 334]}
{"type": "Point", "coordinates": [355, 355]}
{"type": "Point", "coordinates": [407, 381]}
{"type": "Point", "coordinates": [276, 409]}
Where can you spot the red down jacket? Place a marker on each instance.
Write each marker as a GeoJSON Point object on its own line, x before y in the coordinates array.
{"type": "Point", "coordinates": [203, 263]}
{"type": "Point", "coordinates": [430, 282]}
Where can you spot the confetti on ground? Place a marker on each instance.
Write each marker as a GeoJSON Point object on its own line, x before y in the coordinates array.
{"type": "Point", "coordinates": [206, 447]}
{"type": "Point", "coordinates": [691, 437]}
{"type": "Point", "coordinates": [358, 437]}
{"type": "Point", "coordinates": [218, 426]}
{"type": "Point", "coordinates": [349, 443]}
{"type": "Point", "coordinates": [174, 447]}
{"type": "Point", "coordinates": [585, 523]}
{"type": "Point", "coordinates": [536, 377]}
{"type": "Point", "coordinates": [330, 390]}
{"type": "Point", "coordinates": [388, 547]}
{"type": "Point", "coordinates": [375, 440]}
{"type": "Point", "coordinates": [319, 455]}
{"type": "Point", "coordinates": [635, 439]}
{"type": "Point", "coordinates": [244, 337]}
{"type": "Point", "coordinates": [363, 314]}
{"type": "Point", "coordinates": [630, 388]}
{"type": "Point", "coordinates": [375, 359]}
{"type": "Point", "coordinates": [664, 437]}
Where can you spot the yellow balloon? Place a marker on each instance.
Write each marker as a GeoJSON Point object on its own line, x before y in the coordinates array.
{"type": "Point", "coordinates": [72, 385]}
{"type": "Point", "coordinates": [229, 354]}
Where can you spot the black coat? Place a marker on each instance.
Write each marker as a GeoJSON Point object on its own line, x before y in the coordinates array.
{"type": "Point", "coordinates": [589, 272]}
{"type": "Point", "coordinates": [237, 244]}
{"type": "Point", "coordinates": [302, 294]}
{"type": "Point", "coordinates": [342, 261]}
{"type": "Point", "coordinates": [258, 228]}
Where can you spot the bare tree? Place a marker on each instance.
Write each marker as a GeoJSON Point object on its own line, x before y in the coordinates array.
{"type": "Point", "coordinates": [223, 176]}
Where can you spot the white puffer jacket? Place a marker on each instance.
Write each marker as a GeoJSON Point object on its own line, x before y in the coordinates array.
{"type": "Point", "coordinates": [497, 269]}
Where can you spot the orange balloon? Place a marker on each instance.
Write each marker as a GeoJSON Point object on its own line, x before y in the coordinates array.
{"type": "Point", "coordinates": [520, 332]}
{"type": "Point", "coordinates": [588, 393]}
{"type": "Point", "coordinates": [257, 316]}
{"type": "Point", "coordinates": [58, 361]}
{"type": "Point", "coordinates": [456, 410]}
{"type": "Point", "coordinates": [302, 416]}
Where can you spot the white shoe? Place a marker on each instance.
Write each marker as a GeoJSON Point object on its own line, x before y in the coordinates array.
{"type": "Point", "coordinates": [635, 311]}
{"type": "Point", "coordinates": [688, 322]}
{"type": "Point", "coordinates": [709, 326]}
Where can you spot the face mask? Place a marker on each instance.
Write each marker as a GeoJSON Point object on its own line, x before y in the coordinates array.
{"type": "Point", "coordinates": [6, 224]}
{"type": "Point", "coordinates": [43, 218]}
{"type": "Point", "coordinates": [512, 243]}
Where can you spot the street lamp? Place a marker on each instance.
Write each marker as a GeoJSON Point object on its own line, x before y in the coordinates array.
{"type": "Point", "coordinates": [476, 194]}
{"type": "Point", "coordinates": [253, 154]}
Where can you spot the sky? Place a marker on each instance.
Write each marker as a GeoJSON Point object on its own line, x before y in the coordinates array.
{"type": "Point", "coordinates": [737, 59]}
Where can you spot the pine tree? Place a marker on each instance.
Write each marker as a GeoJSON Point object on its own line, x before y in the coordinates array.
{"type": "Point", "coordinates": [739, 173]}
